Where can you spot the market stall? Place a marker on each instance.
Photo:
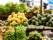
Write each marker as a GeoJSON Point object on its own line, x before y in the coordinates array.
{"type": "Point", "coordinates": [18, 21]}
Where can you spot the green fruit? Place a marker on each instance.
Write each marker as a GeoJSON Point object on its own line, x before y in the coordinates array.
{"type": "Point", "coordinates": [43, 19]}
{"type": "Point", "coordinates": [47, 24]}
{"type": "Point", "coordinates": [36, 23]}
{"type": "Point", "coordinates": [50, 25]}
{"type": "Point", "coordinates": [25, 23]}
{"type": "Point", "coordinates": [33, 22]}
{"type": "Point", "coordinates": [33, 17]}
{"type": "Point", "coordinates": [51, 19]}
{"type": "Point", "coordinates": [29, 21]}
{"type": "Point", "coordinates": [38, 16]}
{"type": "Point", "coordinates": [40, 22]}
{"type": "Point", "coordinates": [36, 19]}
{"type": "Point", "coordinates": [48, 17]}
{"type": "Point", "coordinates": [44, 15]}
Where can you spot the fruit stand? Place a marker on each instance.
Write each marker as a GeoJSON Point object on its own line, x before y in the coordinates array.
{"type": "Point", "coordinates": [20, 22]}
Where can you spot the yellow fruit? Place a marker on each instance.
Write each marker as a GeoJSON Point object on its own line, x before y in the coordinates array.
{"type": "Point", "coordinates": [43, 38]}
{"type": "Point", "coordinates": [20, 14]}
{"type": "Point", "coordinates": [13, 23]}
{"type": "Point", "coordinates": [18, 21]}
{"type": "Point", "coordinates": [10, 29]}
{"type": "Point", "coordinates": [13, 18]}
{"type": "Point", "coordinates": [22, 21]}
{"type": "Point", "coordinates": [25, 19]}
{"type": "Point", "coordinates": [13, 13]}
{"type": "Point", "coordinates": [20, 17]}
{"type": "Point", "coordinates": [1, 33]}
{"type": "Point", "coordinates": [28, 10]}
{"type": "Point", "coordinates": [10, 16]}
{"type": "Point", "coordinates": [9, 20]}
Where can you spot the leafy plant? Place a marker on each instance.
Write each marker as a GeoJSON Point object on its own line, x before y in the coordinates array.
{"type": "Point", "coordinates": [9, 34]}
{"type": "Point", "coordinates": [20, 33]}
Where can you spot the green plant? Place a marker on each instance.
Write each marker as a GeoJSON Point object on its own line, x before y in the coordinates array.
{"type": "Point", "coordinates": [9, 34]}
{"type": "Point", "coordinates": [20, 33]}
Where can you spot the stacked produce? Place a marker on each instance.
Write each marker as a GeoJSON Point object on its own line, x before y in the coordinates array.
{"type": "Point", "coordinates": [9, 34]}
{"type": "Point", "coordinates": [20, 33]}
{"type": "Point", "coordinates": [35, 35]}
{"type": "Point", "coordinates": [17, 33]}
{"type": "Point", "coordinates": [34, 11]}
{"type": "Point", "coordinates": [16, 19]}
{"type": "Point", "coordinates": [41, 19]}
{"type": "Point", "coordinates": [2, 23]}
{"type": "Point", "coordinates": [13, 7]}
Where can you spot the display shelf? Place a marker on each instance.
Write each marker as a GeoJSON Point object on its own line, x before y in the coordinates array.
{"type": "Point", "coordinates": [4, 16]}
{"type": "Point", "coordinates": [38, 28]}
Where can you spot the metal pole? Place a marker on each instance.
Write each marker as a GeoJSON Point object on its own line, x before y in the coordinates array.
{"type": "Point", "coordinates": [40, 6]}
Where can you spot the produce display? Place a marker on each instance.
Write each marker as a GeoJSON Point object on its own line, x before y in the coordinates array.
{"type": "Point", "coordinates": [35, 35]}
{"type": "Point", "coordinates": [17, 24]}
{"type": "Point", "coordinates": [16, 19]}
{"type": "Point", "coordinates": [2, 23]}
{"type": "Point", "coordinates": [20, 33]}
{"type": "Point", "coordinates": [13, 7]}
{"type": "Point", "coordinates": [17, 33]}
{"type": "Point", "coordinates": [9, 34]}
{"type": "Point", "coordinates": [41, 19]}
{"type": "Point", "coordinates": [35, 10]}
